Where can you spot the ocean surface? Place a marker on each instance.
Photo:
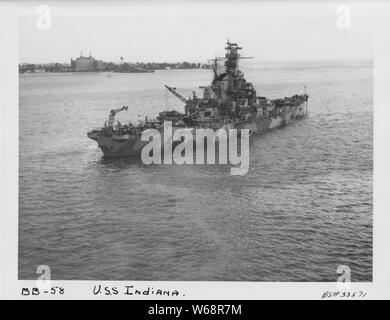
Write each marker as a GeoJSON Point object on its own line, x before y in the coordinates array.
{"type": "Point", "coordinates": [303, 209]}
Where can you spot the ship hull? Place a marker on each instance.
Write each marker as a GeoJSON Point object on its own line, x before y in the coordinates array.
{"type": "Point", "coordinates": [131, 147]}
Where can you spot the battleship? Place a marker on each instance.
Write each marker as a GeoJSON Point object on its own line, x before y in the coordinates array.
{"type": "Point", "coordinates": [229, 102]}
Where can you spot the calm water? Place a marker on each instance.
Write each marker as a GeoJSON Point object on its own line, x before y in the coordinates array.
{"type": "Point", "coordinates": [304, 208]}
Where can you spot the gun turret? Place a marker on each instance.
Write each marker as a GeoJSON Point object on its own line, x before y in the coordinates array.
{"type": "Point", "coordinates": [173, 91]}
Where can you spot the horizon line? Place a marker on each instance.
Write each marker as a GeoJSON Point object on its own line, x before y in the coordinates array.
{"type": "Point", "coordinates": [193, 61]}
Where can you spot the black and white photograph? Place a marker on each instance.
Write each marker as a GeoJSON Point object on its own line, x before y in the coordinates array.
{"type": "Point", "coordinates": [195, 142]}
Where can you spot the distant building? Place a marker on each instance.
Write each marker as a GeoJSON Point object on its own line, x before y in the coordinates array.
{"type": "Point", "coordinates": [82, 63]}
{"type": "Point", "coordinates": [65, 68]}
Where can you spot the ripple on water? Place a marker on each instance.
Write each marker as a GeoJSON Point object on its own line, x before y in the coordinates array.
{"type": "Point", "coordinates": [304, 208]}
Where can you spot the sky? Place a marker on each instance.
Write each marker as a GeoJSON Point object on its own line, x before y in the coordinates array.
{"type": "Point", "coordinates": [196, 31]}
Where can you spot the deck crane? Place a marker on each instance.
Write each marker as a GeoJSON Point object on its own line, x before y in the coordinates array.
{"type": "Point", "coordinates": [113, 112]}
{"type": "Point", "coordinates": [174, 92]}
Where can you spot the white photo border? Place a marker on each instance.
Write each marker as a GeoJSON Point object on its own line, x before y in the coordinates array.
{"type": "Point", "coordinates": [11, 287]}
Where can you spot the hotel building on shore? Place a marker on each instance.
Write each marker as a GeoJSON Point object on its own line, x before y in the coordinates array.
{"type": "Point", "coordinates": [86, 64]}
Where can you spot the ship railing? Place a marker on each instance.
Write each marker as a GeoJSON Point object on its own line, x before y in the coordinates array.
{"type": "Point", "coordinates": [206, 119]}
